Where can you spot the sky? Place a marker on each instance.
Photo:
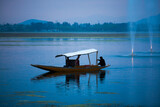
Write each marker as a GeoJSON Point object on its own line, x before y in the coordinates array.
{"type": "Point", "coordinates": [81, 11]}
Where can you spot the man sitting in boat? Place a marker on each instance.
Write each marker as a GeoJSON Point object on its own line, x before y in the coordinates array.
{"type": "Point", "coordinates": [67, 62]}
{"type": "Point", "coordinates": [77, 61]}
{"type": "Point", "coordinates": [101, 62]}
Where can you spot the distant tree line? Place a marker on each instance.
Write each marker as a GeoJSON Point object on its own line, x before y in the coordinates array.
{"type": "Point", "coordinates": [67, 27]}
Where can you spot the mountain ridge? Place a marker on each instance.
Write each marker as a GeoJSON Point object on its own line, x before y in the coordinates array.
{"type": "Point", "coordinates": [152, 19]}
{"type": "Point", "coordinates": [28, 22]}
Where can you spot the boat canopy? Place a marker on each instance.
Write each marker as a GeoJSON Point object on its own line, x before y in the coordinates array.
{"type": "Point", "coordinates": [82, 52]}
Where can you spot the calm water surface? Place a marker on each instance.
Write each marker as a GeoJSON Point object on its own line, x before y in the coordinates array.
{"type": "Point", "coordinates": [129, 81]}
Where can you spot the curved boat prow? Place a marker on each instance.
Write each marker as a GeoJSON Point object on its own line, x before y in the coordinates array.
{"type": "Point", "coordinates": [43, 67]}
{"type": "Point", "coordinates": [32, 65]}
{"type": "Point", "coordinates": [38, 66]}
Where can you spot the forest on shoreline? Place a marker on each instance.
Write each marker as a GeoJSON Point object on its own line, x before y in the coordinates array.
{"type": "Point", "coordinates": [75, 27]}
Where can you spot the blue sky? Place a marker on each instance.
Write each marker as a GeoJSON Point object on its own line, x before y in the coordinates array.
{"type": "Point", "coordinates": [82, 11]}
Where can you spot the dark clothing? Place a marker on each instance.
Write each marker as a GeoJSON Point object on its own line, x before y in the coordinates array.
{"type": "Point", "coordinates": [77, 61]}
{"type": "Point", "coordinates": [102, 62]}
{"type": "Point", "coordinates": [67, 63]}
{"type": "Point", "coordinates": [70, 63]}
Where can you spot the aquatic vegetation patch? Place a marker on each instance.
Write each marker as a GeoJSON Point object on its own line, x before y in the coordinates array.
{"type": "Point", "coordinates": [101, 105]}
{"type": "Point", "coordinates": [78, 105]}
{"type": "Point", "coordinates": [106, 93]}
{"type": "Point", "coordinates": [29, 92]}
{"type": "Point", "coordinates": [25, 93]}
{"type": "Point", "coordinates": [4, 69]}
{"type": "Point", "coordinates": [28, 45]}
{"type": "Point", "coordinates": [108, 104]}
{"type": "Point", "coordinates": [33, 95]}
{"type": "Point", "coordinates": [30, 95]}
{"type": "Point", "coordinates": [3, 84]}
{"type": "Point", "coordinates": [118, 82]}
{"type": "Point", "coordinates": [92, 100]}
{"type": "Point", "coordinates": [10, 41]}
{"type": "Point", "coordinates": [23, 102]}
{"type": "Point", "coordinates": [93, 105]}
{"type": "Point", "coordinates": [7, 95]}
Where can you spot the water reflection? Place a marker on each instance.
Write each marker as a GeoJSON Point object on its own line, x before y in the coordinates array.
{"type": "Point", "coordinates": [74, 78]}
{"type": "Point", "coordinates": [132, 62]}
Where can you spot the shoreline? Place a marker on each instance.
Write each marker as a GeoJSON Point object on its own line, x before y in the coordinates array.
{"type": "Point", "coordinates": [72, 34]}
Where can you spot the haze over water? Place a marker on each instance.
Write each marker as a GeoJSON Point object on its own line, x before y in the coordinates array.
{"type": "Point", "coordinates": [129, 81]}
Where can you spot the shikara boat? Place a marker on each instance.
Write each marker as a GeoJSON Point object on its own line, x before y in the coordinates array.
{"type": "Point", "coordinates": [81, 68]}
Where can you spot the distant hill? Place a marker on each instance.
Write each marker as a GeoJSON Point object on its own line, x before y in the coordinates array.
{"type": "Point", "coordinates": [28, 22]}
{"type": "Point", "coordinates": [152, 19]}
{"type": "Point", "coordinates": [143, 25]}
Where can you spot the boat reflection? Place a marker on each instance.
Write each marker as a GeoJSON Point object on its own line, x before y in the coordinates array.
{"type": "Point", "coordinates": [73, 77]}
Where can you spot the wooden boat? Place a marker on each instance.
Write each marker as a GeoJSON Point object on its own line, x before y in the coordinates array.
{"type": "Point", "coordinates": [83, 68]}
{"type": "Point", "coordinates": [73, 68]}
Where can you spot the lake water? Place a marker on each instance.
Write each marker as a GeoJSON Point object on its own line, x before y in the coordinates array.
{"type": "Point", "coordinates": [129, 81]}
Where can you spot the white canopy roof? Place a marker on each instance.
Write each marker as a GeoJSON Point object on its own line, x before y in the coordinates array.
{"type": "Point", "coordinates": [82, 52]}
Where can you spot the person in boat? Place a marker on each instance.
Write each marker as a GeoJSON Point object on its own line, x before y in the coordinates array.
{"type": "Point", "coordinates": [67, 62]}
{"type": "Point", "coordinates": [77, 61]}
{"type": "Point", "coordinates": [101, 61]}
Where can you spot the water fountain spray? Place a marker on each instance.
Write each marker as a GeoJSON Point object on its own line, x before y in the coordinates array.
{"type": "Point", "coordinates": [132, 25]}
{"type": "Point", "coordinates": [150, 30]}
{"type": "Point", "coordinates": [151, 48]}
{"type": "Point", "coordinates": [132, 52]}
{"type": "Point", "coordinates": [151, 36]}
{"type": "Point", "coordinates": [150, 8]}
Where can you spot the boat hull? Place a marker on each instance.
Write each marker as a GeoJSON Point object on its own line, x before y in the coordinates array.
{"type": "Point", "coordinates": [84, 68]}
